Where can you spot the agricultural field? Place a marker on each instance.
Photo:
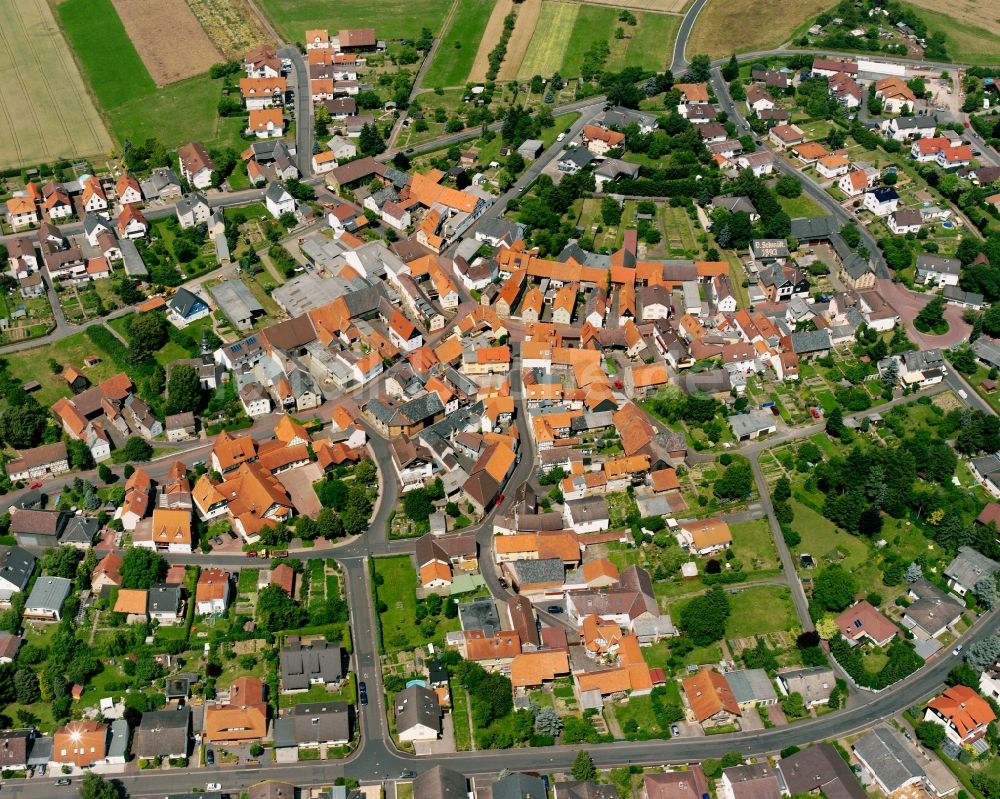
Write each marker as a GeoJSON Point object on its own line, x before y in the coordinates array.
{"type": "Point", "coordinates": [156, 31]}
{"type": "Point", "coordinates": [971, 33]}
{"type": "Point", "coordinates": [391, 19]}
{"type": "Point", "coordinates": [566, 30]}
{"type": "Point", "coordinates": [747, 25]}
{"type": "Point", "coordinates": [135, 106]}
{"type": "Point", "coordinates": [545, 52]}
{"type": "Point", "coordinates": [454, 56]}
{"type": "Point", "coordinates": [231, 25]}
{"type": "Point", "coordinates": [649, 44]}
{"type": "Point", "coordinates": [47, 113]}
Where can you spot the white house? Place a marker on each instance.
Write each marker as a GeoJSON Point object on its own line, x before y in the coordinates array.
{"type": "Point", "coordinates": [903, 222]}
{"type": "Point", "coordinates": [938, 270]}
{"type": "Point", "coordinates": [278, 200]}
{"type": "Point", "coordinates": [192, 210]}
{"type": "Point", "coordinates": [882, 201]}
{"type": "Point", "coordinates": [587, 515]}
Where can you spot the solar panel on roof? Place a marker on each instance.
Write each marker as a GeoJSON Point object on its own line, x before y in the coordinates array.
{"type": "Point", "coordinates": [251, 341]}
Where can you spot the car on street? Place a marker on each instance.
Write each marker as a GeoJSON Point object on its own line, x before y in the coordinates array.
{"type": "Point", "coordinates": [218, 541]}
{"type": "Point", "coordinates": [363, 692]}
{"type": "Point", "coordinates": [962, 393]}
{"type": "Point", "coordinates": [957, 649]}
{"type": "Point", "coordinates": [675, 730]}
{"type": "Point", "coordinates": [210, 757]}
{"type": "Point", "coordinates": [64, 781]}
{"type": "Point", "coordinates": [501, 582]}
{"type": "Point", "coordinates": [213, 786]}
{"type": "Point", "coordinates": [407, 774]}
{"type": "Point", "coordinates": [36, 484]}
{"type": "Point", "coordinates": [554, 609]}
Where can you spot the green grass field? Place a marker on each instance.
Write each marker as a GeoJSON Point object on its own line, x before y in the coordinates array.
{"type": "Point", "coordinates": [457, 50]}
{"type": "Point", "coordinates": [592, 25]}
{"type": "Point", "coordinates": [135, 107]}
{"type": "Point", "coordinates": [392, 19]}
{"type": "Point", "coordinates": [33, 365]}
{"type": "Point", "coordinates": [548, 44]}
{"type": "Point", "coordinates": [799, 206]}
{"type": "Point", "coordinates": [399, 592]}
{"type": "Point", "coordinates": [966, 43]}
{"type": "Point", "coordinates": [47, 113]}
{"type": "Point", "coordinates": [760, 610]}
{"type": "Point", "coordinates": [753, 544]}
{"type": "Point", "coordinates": [647, 45]}
{"type": "Point", "coordinates": [116, 71]}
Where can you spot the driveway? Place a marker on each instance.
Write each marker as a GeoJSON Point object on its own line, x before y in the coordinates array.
{"type": "Point", "coordinates": [299, 484]}
{"type": "Point", "coordinates": [908, 304]}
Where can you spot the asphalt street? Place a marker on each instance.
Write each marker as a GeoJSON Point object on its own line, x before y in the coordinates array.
{"type": "Point", "coordinates": [376, 758]}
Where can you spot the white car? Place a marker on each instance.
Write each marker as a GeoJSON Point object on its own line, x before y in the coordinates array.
{"type": "Point", "coordinates": [962, 393]}
{"type": "Point", "coordinates": [560, 137]}
{"type": "Point", "coordinates": [213, 786]}
{"type": "Point", "coordinates": [957, 649]}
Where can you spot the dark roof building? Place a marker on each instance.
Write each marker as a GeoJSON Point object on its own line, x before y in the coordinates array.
{"type": "Point", "coordinates": [318, 663]}
{"type": "Point", "coordinates": [820, 768]}
{"type": "Point", "coordinates": [163, 733]}
{"type": "Point", "coordinates": [440, 783]}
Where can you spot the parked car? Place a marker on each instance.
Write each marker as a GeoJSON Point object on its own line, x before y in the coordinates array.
{"type": "Point", "coordinates": [957, 649]}
{"type": "Point", "coordinates": [407, 774]}
{"type": "Point", "coordinates": [213, 786]}
{"type": "Point", "coordinates": [64, 781]}
{"type": "Point", "coordinates": [210, 757]}
{"type": "Point", "coordinates": [554, 609]}
{"type": "Point", "coordinates": [218, 540]}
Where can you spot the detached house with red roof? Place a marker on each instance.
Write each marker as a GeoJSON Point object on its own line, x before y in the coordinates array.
{"type": "Point", "coordinates": [962, 712]}
{"type": "Point", "coordinates": [862, 621]}
{"type": "Point", "coordinates": [599, 140]}
{"type": "Point", "coordinates": [131, 223]}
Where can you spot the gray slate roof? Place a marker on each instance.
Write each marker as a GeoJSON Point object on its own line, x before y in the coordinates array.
{"type": "Point", "coordinates": [970, 566]}
{"type": "Point", "coordinates": [440, 783]}
{"type": "Point", "coordinates": [300, 665]}
{"type": "Point", "coordinates": [417, 705]}
{"type": "Point", "coordinates": [162, 733]}
{"type": "Point", "coordinates": [16, 566]}
{"type": "Point", "coordinates": [751, 685]}
{"type": "Point", "coordinates": [49, 593]}
{"type": "Point", "coordinates": [886, 753]}
{"type": "Point", "coordinates": [519, 786]}
{"type": "Point", "coordinates": [531, 572]}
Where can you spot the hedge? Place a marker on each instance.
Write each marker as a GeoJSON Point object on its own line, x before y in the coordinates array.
{"type": "Point", "coordinates": [903, 661]}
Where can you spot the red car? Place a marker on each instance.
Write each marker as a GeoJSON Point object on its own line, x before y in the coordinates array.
{"type": "Point", "coordinates": [36, 484]}
{"type": "Point", "coordinates": [815, 413]}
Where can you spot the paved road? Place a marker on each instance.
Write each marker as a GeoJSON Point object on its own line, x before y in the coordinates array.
{"type": "Point", "coordinates": [304, 134]}
{"type": "Point", "coordinates": [679, 62]}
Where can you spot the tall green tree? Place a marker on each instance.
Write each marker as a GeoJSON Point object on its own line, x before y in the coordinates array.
{"type": "Point", "coordinates": [142, 568]}
{"type": "Point", "coordinates": [183, 389]}
{"type": "Point", "coordinates": [583, 767]}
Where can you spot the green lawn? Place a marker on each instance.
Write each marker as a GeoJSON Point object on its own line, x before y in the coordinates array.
{"type": "Point", "coordinates": [248, 581]}
{"type": "Point", "coordinates": [970, 44]}
{"type": "Point", "coordinates": [399, 593]}
{"type": "Point", "coordinates": [392, 19]}
{"type": "Point", "coordinates": [33, 365]}
{"type": "Point", "coordinates": [754, 545]}
{"type": "Point", "coordinates": [827, 543]}
{"type": "Point", "coordinates": [760, 610]}
{"type": "Point", "coordinates": [109, 58]}
{"type": "Point", "coordinates": [799, 206]}
{"type": "Point", "coordinates": [460, 716]}
{"type": "Point", "coordinates": [135, 107]}
{"type": "Point", "coordinates": [649, 44]}
{"type": "Point", "coordinates": [181, 112]}
{"type": "Point", "coordinates": [457, 50]}
{"type": "Point", "coordinates": [640, 710]}
{"type": "Point", "coordinates": [318, 693]}
{"type": "Point", "coordinates": [593, 24]}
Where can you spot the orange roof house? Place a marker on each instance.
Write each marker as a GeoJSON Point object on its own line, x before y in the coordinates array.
{"type": "Point", "coordinates": [711, 699]}
{"type": "Point", "coordinates": [705, 536]}
{"type": "Point", "coordinates": [810, 151]}
{"type": "Point", "coordinates": [962, 712]}
{"type": "Point", "coordinates": [230, 451]}
{"type": "Point", "coordinates": [435, 574]}
{"type": "Point", "coordinates": [290, 431]}
{"type": "Point", "coordinates": [283, 576]}
{"type": "Point", "coordinates": [171, 530]}
{"type": "Point", "coordinates": [863, 620]}
{"type": "Point", "coordinates": [80, 744]}
{"type": "Point", "coordinates": [243, 719]}
{"type": "Point", "coordinates": [131, 601]}
{"type": "Point", "coordinates": [693, 92]}
{"type": "Point", "coordinates": [533, 669]}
